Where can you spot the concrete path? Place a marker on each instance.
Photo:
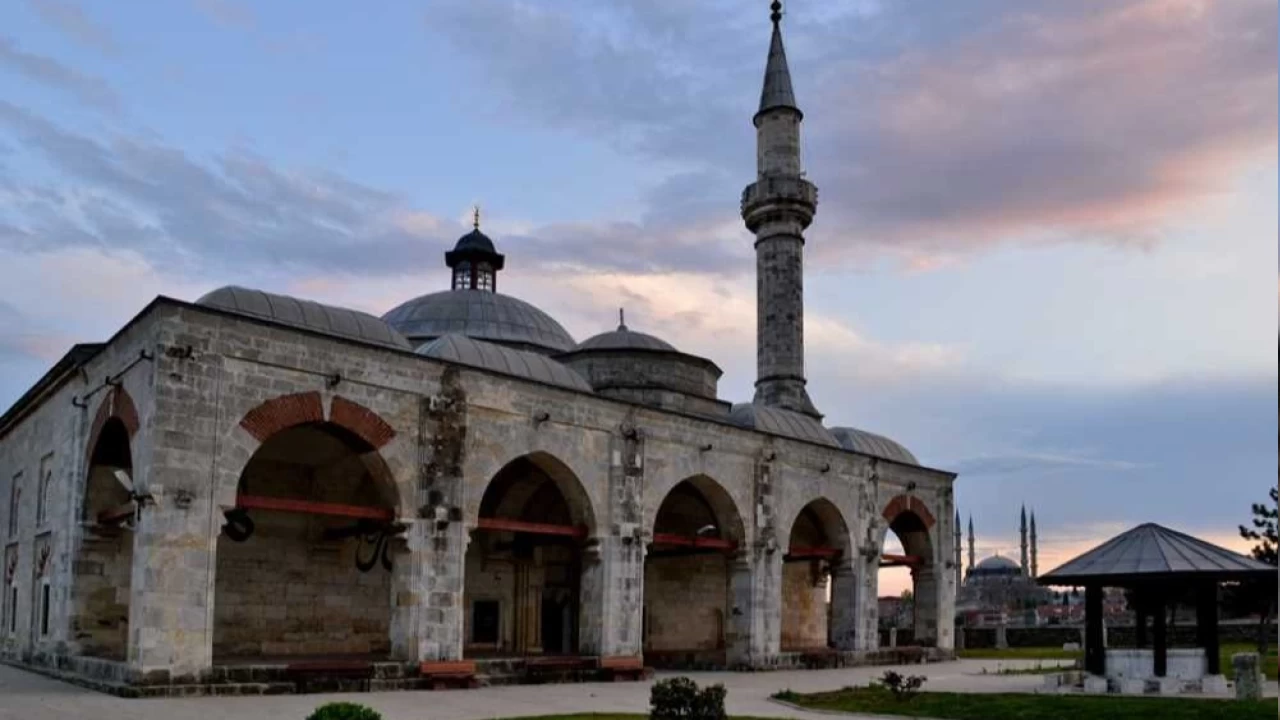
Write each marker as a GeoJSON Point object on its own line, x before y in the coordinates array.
{"type": "Point", "coordinates": [26, 696]}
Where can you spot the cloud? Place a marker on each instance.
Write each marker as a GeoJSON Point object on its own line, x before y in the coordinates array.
{"type": "Point", "coordinates": [228, 13]}
{"type": "Point", "coordinates": [90, 90]}
{"type": "Point", "coordinates": [929, 135]}
{"type": "Point", "coordinates": [1033, 462]}
{"type": "Point", "coordinates": [72, 21]}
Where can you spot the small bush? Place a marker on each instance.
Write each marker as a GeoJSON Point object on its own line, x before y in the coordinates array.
{"type": "Point", "coordinates": [787, 695]}
{"type": "Point", "coordinates": [902, 687]}
{"type": "Point", "coordinates": [344, 711]}
{"type": "Point", "coordinates": [680, 699]}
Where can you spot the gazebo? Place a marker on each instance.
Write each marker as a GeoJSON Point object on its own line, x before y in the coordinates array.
{"type": "Point", "coordinates": [1156, 563]}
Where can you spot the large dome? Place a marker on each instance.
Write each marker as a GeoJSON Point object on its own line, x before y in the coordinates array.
{"type": "Point", "coordinates": [481, 315]}
{"type": "Point", "coordinates": [996, 566]}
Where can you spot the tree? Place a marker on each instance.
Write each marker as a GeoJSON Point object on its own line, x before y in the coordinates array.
{"type": "Point", "coordinates": [1261, 596]}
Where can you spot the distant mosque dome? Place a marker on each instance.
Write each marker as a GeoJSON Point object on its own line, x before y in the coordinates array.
{"type": "Point", "coordinates": [996, 566]}
{"type": "Point", "coordinates": [474, 308]}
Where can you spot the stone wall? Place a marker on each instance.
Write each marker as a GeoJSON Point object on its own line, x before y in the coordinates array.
{"type": "Point", "coordinates": [804, 608]}
{"type": "Point", "coordinates": [1117, 635]}
{"type": "Point", "coordinates": [286, 591]}
{"type": "Point", "coordinates": [685, 602]}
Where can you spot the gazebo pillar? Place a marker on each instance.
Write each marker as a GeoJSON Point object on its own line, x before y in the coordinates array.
{"type": "Point", "coordinates": [1095, 655]}
{"type": "Point", "coordinates": [1140, 617]}
{"type": "Point", "coordinates": [1160, 640]}
{"type": "Point", "coordinates": [1207, 626]}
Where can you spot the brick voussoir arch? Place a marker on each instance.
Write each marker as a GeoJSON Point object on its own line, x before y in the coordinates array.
{"type": "Point", "coordinates": [908, 503]}
{"type": "Point", "coordinates": [287, 411]}
{"type": "Point", "coordinates": [117, 404]}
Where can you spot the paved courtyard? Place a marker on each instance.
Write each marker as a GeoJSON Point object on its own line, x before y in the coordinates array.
{"type": "Point", "coordinates": [26, 696]}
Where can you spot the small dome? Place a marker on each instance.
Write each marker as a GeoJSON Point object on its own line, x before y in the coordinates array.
{"type": "Point", "coordinates": [866, 443]}
{"type": "Point", "coordinates": [777, 421]}
{"type": "Point", "coordinates": [305, 314]}
{"type": "Point", "coordinates": [625, 338]}
{"type": "Point", "coordinates": [480, 315]}
{"type": "Point", "coordinates": [519, 363]}
{"type": "Point", "coordinates": [475, 241]}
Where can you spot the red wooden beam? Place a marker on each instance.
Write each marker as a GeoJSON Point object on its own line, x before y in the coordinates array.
{"type": "Point", "coordinates": [812, 553]}
{"type": "Point", "coordinates": [311, 507]}
{"type": "Point", "coordinates": [531, 528]}
{"type": "Point", "coordinates": [669, 539]}
{"type": "Point", "coordinates": [900, 560]}
{"type": "Point", "coordinates": [116, 515]}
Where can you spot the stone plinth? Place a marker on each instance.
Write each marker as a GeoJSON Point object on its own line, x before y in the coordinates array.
{"type": "Point", "coordinates": [1213, 685]}
{"type": "Point", "coordinates": [1182, 663]}
{"type": "Point", "coordinates": [1132, 686]}
{"type": "Point", "coordinates": [1095, 684]}
{"type": "Point", "coordinates": [1248, 676]}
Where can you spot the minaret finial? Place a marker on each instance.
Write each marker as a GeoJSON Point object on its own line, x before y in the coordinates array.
{"type": "Point", "coordinates": [622, 320]}
{"type": "Point", "coordinates": [776, 15]}
{"type": "Point", "coordinates": [475, 216]}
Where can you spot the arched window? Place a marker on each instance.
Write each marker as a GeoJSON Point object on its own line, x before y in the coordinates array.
{"type": "Point", "coordinates": [484, 277]}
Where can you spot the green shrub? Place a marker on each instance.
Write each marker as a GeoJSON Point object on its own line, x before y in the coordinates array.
{"type": "Point", "coordinates": [344, 711]}
{"type": "Point", "coordinates": [902, 687]}
{"type": "Point", "coordinates": [787, 695]}
{"type": "Point", "coordinates": [680, 699]}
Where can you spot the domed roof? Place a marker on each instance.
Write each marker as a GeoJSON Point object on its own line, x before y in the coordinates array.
{"type": "Point", "coordinates": [861, 441]}
{"type": "Point", "coordinates": [780, 422]}
{"type": "Point", "coordinates": [480, 315]}
{"type": "Point", "coordinates": [998, 562]}
{"type": "Point", "coordinates": [625, 338]}
{"type": "Point", "coordinates": [475, 240]}
{"type": "Point", "coordinates": [305, 314]}
{"type": "Point", "coordinates": [508, 361]}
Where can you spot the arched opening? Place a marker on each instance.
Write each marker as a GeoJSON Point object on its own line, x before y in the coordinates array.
{"type": "Point", "coordinates": [908, 602]}
{"type": "Point", "coordinates": [304, 560]}
{"type": "Point", "coordinates": [687, 574]}
{"type": "Point", "coordinates": [104, 559]}
{"type": "Point", "coordinates": [523, 577]}
{"type": "Point", "coordinates": [817, 549]}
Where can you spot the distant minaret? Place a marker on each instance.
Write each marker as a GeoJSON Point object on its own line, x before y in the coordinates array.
{"type": "Point", "coordinates": [777, 208]}
{"type": "Point", "coordinates": [1035, 570]}
{"type": "Point", "coordinates": [1024, 540]}
{"type": "Point", "coordinates": [959, 567]}
{"type": "Point", "coordinates": [972, 553]}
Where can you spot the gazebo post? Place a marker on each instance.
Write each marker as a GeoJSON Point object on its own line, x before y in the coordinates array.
{"type": "Point", "coordinates": [1160, 640]}
{"type": "Point", "coordinates": [1207, 625]}
{"type": "Point", "coordinates": [1095, 656]}
{"type": "Point", "coordinates": [1140, 616]}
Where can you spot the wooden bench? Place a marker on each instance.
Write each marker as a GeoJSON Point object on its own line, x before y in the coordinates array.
{"type": "Point", "coordinates": [622, 667]}
{"type": "Point", "coordinates": [449, 673]}
{"type": "Point", "coordinates": [304, 673]}
{"type": "Point", "coordinates": [536, 668]}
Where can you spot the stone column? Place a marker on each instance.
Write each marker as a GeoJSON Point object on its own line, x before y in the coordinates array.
{"type": "Point", "coordinates": [868, 607]}
{"type": "Point", "coordinates": [618, 598]}
{"type": "Point", "coordinates": [1095, 653]}
{"type": "Point", "coordinates": [427, 617]}
{"type": "Point", "coordinates": [1159, 640]}
{"type": "Point", "coordinates": [925, 597]}
{"type": "Point", "coordinates": [1248, 676]}
{"type": "Point", "coordinates": [1207, 626]}
{"type": "Point", "coordinates": [592, 592]}
{"type": "Point", "coordinates": [844, 606]}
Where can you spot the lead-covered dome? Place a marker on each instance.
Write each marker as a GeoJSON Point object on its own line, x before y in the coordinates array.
{"type": "Point", "coordinates": [482, 315]}
{"type": "Point", "coordinates": [869, 443]}
{"type": "Point", "coordinates": [305, 314]}
{"type": "Point", "coordinates": [517, 363]}
{"type": "Point", "coordinates": [625, 338]}
{"type": "Point", "coordinates": [996, 566]}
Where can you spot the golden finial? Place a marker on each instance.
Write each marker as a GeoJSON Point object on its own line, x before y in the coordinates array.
{"type": "Point", "coordinates": [475, 216]}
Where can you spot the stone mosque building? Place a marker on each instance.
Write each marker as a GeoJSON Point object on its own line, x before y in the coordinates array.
{"type": "Point", "coordinates": [259, 481]}
{"type": "Point", "coordinates": [999, 590]}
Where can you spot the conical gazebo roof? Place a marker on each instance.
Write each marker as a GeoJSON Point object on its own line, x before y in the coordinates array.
{"type": "Point", "coordinates": [1154, 552]}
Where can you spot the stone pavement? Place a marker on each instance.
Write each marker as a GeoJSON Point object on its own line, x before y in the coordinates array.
{"type": "Point", "coordinates": [26, 696]}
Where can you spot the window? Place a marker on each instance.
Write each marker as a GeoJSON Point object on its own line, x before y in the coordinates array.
{"type": "Point", "coordinates": [462, 276]}
{"type": "Point", "coordinates": [42, 492]}
{"type": "Point", "coordinates": [15, 495]}
{"type": "Point", "coordinates": [484, 277]}
{"type": "Point", "coordinates": [484, 622]}
{"type": "Point", "coordinates": [44, 609]}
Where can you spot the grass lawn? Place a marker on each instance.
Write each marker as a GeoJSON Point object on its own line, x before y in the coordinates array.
{"type": "Point", "coordinates": [1057, 653]}
{"type": "Point", "coordinates": [962, 706]}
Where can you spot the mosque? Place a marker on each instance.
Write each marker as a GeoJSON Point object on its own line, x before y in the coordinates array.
{"type": "Point", "coordinates": [253, 490]}
{"type": "Point", "coordinates": [999, 590]}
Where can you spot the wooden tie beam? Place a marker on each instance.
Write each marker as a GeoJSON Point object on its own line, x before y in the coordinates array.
{"type": "Point", "coordinates": [311, 507]}
{"type": "Point", "coordinates": [812, 553]}
{"type": "Point", "coordinates": [531, 528]}
{"type": "Point", "coordinates": [887, 561]}
{"type": "Point", "coordinates": [702, 543]}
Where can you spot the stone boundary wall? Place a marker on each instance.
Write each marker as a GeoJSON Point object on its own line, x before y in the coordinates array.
{"type": "Point", "coordinates": [1058, 635]}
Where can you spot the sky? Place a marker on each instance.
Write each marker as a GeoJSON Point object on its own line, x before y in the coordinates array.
{"type": "Point", "coordinates": [1045, 253]}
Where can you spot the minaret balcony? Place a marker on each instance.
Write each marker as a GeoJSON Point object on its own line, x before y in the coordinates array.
{"type": "Point", "coordinates": [779, 193]}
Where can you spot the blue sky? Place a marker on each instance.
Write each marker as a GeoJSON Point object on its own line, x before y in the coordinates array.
{"type": "Point", "coordinates": [1044, 256]}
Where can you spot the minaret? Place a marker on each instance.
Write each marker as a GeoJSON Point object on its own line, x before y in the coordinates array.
{"type": "Point", "coordinates": [959, 567]}
{"type": "Point", "coordinates": [972, 553]}
{"type": "Point", "coordinates": [1035, 571]}
{"type": "Point", "coordinates": [1024, 540]}
{"type": "Point", "coordinates": [777, 208]}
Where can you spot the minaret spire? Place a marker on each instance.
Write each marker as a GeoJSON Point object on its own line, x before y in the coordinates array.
{"type": "Point", "coordinates": [1035, 570]}
{"type": "Point", "coordinates": [959, 566]}
{"type": "Point", "coordinates": [777, 208]}
{"type": "Point", "coordinates": [972, 553]}
{"type": "Point", "coordinates": [1025, 564]}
